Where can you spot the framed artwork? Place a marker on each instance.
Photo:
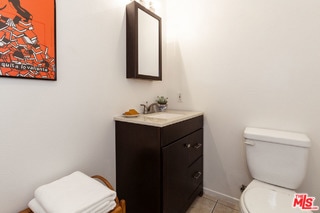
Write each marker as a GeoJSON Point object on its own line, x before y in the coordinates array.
{"type": "Point", "coordinates": [27, 39]}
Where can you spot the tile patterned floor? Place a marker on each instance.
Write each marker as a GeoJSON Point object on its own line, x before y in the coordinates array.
{"type": "Point", "coordinates": [209, 204]}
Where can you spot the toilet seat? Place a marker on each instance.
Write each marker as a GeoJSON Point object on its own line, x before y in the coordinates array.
{"type": "Point", "coordinates": [260, 197]}
{"type": "Point", "coordinates": [264, 200]}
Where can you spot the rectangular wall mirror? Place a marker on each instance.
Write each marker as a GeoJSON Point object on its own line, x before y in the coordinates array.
{"type": "Point", "coordinates": [144, 54]}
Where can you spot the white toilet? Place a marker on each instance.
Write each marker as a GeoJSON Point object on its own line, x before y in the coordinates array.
{"type": "Point", "coordinates": [277, 161]}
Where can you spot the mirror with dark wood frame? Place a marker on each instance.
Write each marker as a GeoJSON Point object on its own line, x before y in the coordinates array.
{"type": "Point", "coordinates": [144, 54]}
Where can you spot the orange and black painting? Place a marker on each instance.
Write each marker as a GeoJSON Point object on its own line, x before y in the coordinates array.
{"type": "Point", "coordinates": [27, 39]}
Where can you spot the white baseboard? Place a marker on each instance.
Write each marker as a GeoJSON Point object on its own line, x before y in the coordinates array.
{"type": "Point", "coordinates": [221, 196]}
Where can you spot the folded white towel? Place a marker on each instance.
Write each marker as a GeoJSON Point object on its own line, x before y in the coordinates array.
{"type": "Point", "coordinates": [35, 206]}
{"type": "Point", "coordinates": [104, 207]}
{"type": "Point", "coordinates": [76, 192]}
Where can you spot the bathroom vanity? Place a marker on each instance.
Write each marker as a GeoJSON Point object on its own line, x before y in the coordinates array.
{"type": "Point", "coordinates": [159, 161]}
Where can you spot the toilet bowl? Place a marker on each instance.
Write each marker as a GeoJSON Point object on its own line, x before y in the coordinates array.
{"type": "Point", "coordinates": [260, 197]}
{"type": "Point", "coordinates": [277, 161]}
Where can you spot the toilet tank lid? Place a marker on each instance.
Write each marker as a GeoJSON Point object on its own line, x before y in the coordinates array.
{"type": "Point", "coordinates": [276, 136]}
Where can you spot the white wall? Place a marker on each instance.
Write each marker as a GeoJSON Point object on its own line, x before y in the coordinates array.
{"type": "Point", "coordinates": [50, 129]}
{"type": "Point", "coordinates": [247, 63]}
{"type": "Point", "coordinates": [244, 63]}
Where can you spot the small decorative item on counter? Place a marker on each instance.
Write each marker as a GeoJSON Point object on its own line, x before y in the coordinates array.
{"type": "Point", "coordinates": [162, 103]}
{"type": "Point", "coordinates": [131, 113]}
{"type": "Point", "coordinates": [162, 100]}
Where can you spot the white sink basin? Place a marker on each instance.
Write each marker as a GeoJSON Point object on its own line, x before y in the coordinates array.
{"type": "Point", "coordinates": [164, 115]}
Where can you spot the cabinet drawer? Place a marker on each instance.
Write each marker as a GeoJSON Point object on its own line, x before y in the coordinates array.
{"type": "Point", "coordinates": [176, 131]}
{"type": "Point", "coordinates": [195, 176]}
{"type": "Point", "coordinates": [194, 145]}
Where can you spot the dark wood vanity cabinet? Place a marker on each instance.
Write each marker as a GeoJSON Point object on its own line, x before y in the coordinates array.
{"type": "Point", "coordinates": [159, 169]}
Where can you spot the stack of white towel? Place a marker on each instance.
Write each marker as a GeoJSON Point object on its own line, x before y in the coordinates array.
{"type": "Point", "coordinates": [76, 192]}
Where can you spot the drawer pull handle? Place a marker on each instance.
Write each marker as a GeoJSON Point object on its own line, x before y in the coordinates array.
{"type": "Point", "coordinates": [188, 145]}
{"type": "Point", "coordinates": [198, 145]}
{"type": "Point", "coordinates": [197, 175]}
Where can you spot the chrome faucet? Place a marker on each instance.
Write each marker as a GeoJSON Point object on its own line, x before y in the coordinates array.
{"type": "Point", "coordinates": [153, 108]}
{"type": "Point", "coordinates": [149, 109]}
{"type": "Point", "coordinates": [145, 107]}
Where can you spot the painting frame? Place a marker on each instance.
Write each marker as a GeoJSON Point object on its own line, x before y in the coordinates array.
{"type": "Point", "coordinates": [28, 39]}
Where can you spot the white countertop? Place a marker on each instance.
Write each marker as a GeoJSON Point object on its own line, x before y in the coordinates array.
{"type": "Point", "coordinates": [160, 119]}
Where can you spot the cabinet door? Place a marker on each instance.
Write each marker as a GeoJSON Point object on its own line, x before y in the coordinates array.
{"type": "Point", "coordinates": [138, 160]}
{"type": "Point", "coordinates": [180, 177]}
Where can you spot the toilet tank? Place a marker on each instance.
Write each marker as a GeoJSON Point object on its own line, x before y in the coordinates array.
{"type": "Point", "coordinates": [277, 157]}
